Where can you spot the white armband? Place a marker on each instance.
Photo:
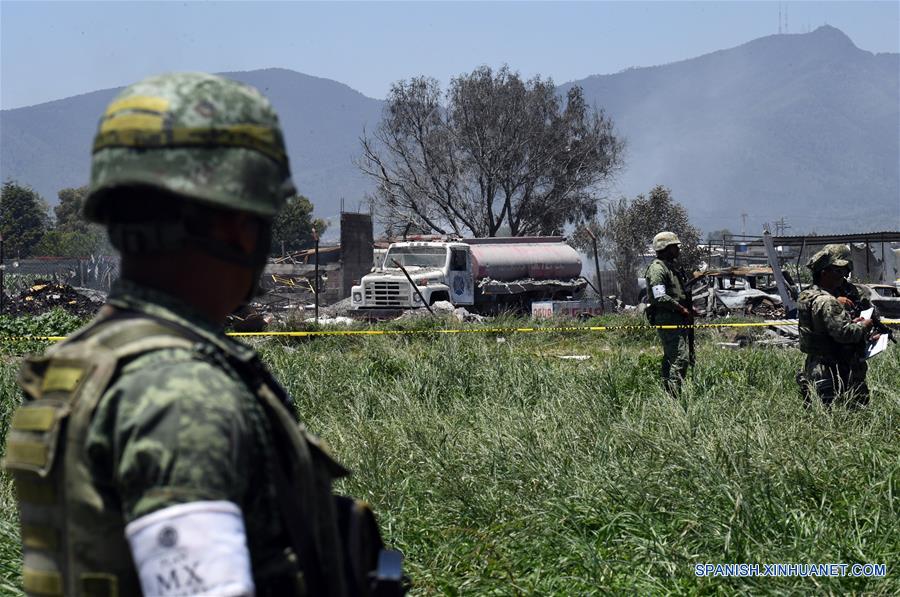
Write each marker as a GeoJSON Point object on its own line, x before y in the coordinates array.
{"type": "Point", "coordinates": [199, 548]}
{"type": "Point", "coordinates": [658, 290]}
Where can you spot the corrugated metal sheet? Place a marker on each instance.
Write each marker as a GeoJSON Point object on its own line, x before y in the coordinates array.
{"type": "Point", "coordinates": [826, 239]}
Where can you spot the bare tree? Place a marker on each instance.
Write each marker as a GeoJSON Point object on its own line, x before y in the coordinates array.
{"type": "Point", "coordinates": [503, 154]}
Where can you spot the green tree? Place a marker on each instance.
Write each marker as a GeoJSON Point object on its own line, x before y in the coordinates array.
{"type": "Point", "coordinates": [614, 230]}
{"type": "Point", "coordinates": [659, 211]}
{"type": "Point", "coordinates": [68, 210]}
{"type": "Point", "coordinates": [72, 235]}
{"type": "Point", "coordinates": [503, 151]}
{"type": "Point", "coordinates": [59, 243]}
{"type": "Point", "coordinates": [23, 218]}
{"type": "Point", "coordinates": [627, 229]}
{"type": "Point", "coordinates": [293, 226]}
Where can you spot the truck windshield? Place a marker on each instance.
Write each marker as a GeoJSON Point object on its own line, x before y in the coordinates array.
{"type": "Point", "coordinates": [416, 256]}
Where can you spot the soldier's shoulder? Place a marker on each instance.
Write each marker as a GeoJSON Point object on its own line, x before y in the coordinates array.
{"type": "Point", "coordinates": [817, 299]}
{"type": "Point", "coordinates": [657, 266]}
{"type": "Point", "coordinates": [826, 303]}
{"type": "Point", "coordinates": [179, 377]}
{"type": "Point", "coordinates": [812, 293]}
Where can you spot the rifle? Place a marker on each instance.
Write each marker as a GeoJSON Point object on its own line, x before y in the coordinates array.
{"type": "Point", "coordinates": [879, 327]}
{"type": "Point", "coordinates": [689, 305]}
{"type": "Point", "coordinates": [691, 339]}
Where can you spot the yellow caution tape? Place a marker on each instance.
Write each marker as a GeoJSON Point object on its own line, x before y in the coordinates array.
{"type": "Point", "coordinates": [557, 329]}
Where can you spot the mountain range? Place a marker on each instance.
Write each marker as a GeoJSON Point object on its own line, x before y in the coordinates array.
{"type": "Point", "coordinates": [800, 126]}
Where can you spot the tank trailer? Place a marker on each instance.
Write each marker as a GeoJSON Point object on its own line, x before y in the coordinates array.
{"type": "Point", "coordinates": [486, 274]}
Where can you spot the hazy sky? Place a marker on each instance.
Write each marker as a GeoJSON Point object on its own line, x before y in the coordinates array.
{"type": "Point", "coordinates": [52, 50]}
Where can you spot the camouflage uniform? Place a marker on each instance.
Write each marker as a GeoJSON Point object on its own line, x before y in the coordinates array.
{"type": "Point", "coordinates": [855, 355]}
{"type": "Point", "coordinates": [150, 408]}
{"type": "Point", "coordinates": [178, 423]}
{"type": "Point", "coordinates": [834, 345]}
{"type": "Point", "coordinates": [676, 343]}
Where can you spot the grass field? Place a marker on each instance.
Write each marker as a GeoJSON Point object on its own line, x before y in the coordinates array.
{"type": "Point", "coordinates": [498, 468]}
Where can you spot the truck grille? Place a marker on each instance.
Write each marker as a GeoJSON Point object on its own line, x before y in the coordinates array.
{"type": "Point", "coordinates": [387, 294]}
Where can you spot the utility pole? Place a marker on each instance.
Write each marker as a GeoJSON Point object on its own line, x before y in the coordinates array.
{"type": "Point", "coordinates": [597, 267]}
{"type": "Point", "coordinates": [743, 225]}
{"type": "Point", "coordinates": [781, 226]}
{"type": "Point", "coordinates": [316, 291]}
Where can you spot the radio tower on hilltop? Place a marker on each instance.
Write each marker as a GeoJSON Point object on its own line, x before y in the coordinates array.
{"type": "Point", "coordinates": [782, 17]}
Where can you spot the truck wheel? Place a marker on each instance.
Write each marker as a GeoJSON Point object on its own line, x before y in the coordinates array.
{"type": "Point", "coordinates": [439, 296]}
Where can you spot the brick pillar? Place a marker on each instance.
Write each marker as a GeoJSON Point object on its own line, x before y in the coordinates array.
{"type": "Point", "coordinates": [356, 249]}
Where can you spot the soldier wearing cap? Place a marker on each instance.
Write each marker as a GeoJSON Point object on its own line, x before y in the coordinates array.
{"type": "Point", "coordinates": [854, 297]}
{"type": "Point", "coordinates": [670, 304]}
{"type": "Point", "coordinates": [829, 336]}
{"type": "Point", "coordinates": [152, 453]}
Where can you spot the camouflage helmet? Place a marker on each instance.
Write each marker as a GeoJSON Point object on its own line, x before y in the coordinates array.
{"type": "Point", "coordinates": [663, 240]}
{"type": "Point", "coordinates": [202, 137]}
{"type": "Point", "coordinates": [830, 255]}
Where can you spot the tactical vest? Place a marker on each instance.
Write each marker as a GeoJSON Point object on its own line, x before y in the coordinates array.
{"type": "Point", "coordinates": [73, 534]}
{"type": "Point", "coordinates": [814, 339]}
{"type": "Point", "coordinates": [676, 287]}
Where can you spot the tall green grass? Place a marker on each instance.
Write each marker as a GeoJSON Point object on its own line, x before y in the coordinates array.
{"type": "Point", "coordinates": [10, 548]}
{"type": "Point", "coordinates": [498, 468]}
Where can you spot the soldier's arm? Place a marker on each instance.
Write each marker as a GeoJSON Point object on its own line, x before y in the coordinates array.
{"type": "Point", "coordinates": [656, 290]}
{"type": "Point", "coordinates": [175, 458]}
{"type": "Point", "coordinates": [838, 323]}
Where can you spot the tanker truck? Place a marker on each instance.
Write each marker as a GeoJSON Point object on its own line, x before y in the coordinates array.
{"type": "Point", "coordinates": [486, 274]}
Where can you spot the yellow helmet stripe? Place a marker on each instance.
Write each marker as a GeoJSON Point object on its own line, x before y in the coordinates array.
{"type": "Point", "coordinates": [128, 131]}
{"type": "Point", "coordinates": [144, 122]}
{"type": "Point", "coordinates": [138, 102]}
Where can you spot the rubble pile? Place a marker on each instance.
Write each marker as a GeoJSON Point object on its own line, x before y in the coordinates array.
{"type": "Point", "coordinates": [443, 308]}
{"type": "Point", "coordinates": [340, 308]}
{"type": "Point", "coordinates": [766, 308]}
{"type": "Point", "coordinates": [45, 296]}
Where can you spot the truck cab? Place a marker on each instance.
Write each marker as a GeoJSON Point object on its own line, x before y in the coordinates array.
{"type": "Point", "coordinates": [440, 270]}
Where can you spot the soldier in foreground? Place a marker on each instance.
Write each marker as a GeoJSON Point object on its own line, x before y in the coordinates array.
{"type": "Point", "coordinates": [670, 304]}
{"type": "Point", "coordinates": [152, 454]}
{"type": "Point", "coordinates": [833, 341]}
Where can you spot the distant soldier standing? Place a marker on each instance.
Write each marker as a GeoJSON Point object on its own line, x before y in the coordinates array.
{"type": "Point", "coordinates": [670, 304]}
{"type": "Point", "coordinates": [833, 341]}
{"type": "Point", "coordinates": [152, 454]}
